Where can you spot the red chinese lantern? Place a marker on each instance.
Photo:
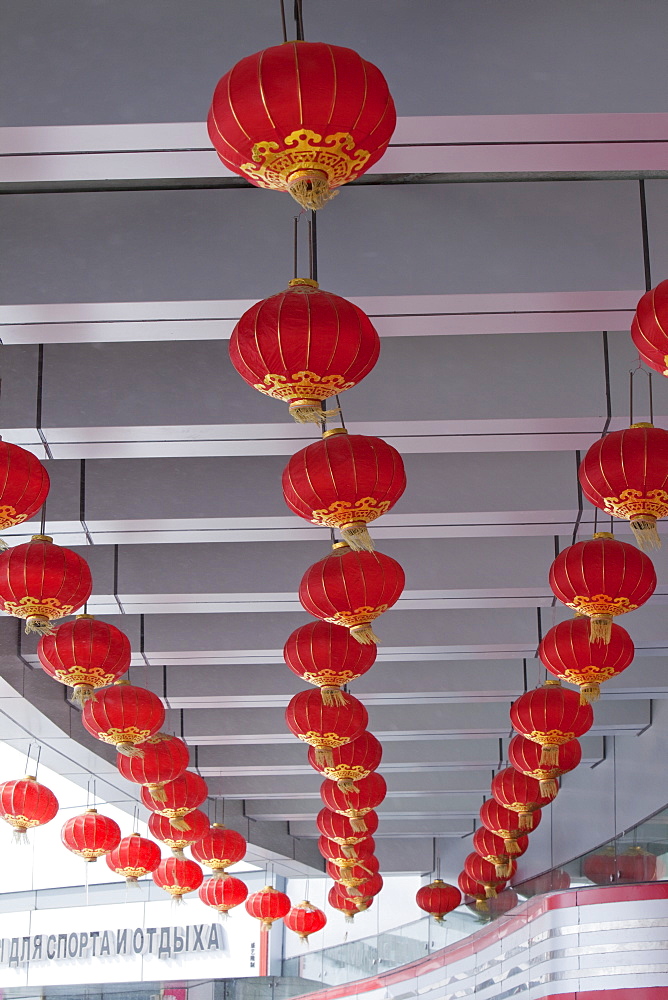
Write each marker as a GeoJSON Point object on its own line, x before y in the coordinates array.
{"type": "Point", "coordinates": [24, 803]}
{"type": "Point", "coordinates": [134, 857]}
{"type": "Point", "coordinates": [492, 848]}
{"type": "Point", "coordinates": [649, 328]}
{"type": "Point", "coordinates": [124, 715]}
{"type": "Point", "coordinates": [601, 868]}
{"type": "Point", "coordinates": [328, 657]}
{"type": "Point", "coordinates": [267, 905]}
{"type": "Point", "coordinates": [638, 865]}
{"type": "Point", "coordinates": [484, 872]}
{"type": "Point", "coordinates": [346, 855]}
{"type": "Point", "coordinates": [368, 793]}
{"type": "Point", "coordinates": [350, 763]}
{"type": "Point", "coordinates": [305, 919]}
{"type": "Point", "coordinates": [274, 352]}
{"type": "Point", "coordinates": [553, 881]}
{"type": "Point", "coordinates": [303, 117]}
{"type": "Point", "coordinates": [219, 848]}
{"type": "Point", "coordinates": [371, 887]}
{"type": "Point", "coordinates": [353, 875]}
{"type": "Point", "coordinates": [344, 481]}
{"type": "Point", "coordinates": [181, 796]}
{"type": "Point", "coordinates": [41, 582]}
{"type": "Point", "coordinates": [223, 893]}
{"type": "Point", "coordinates": [520, 794]}
{"type": "Point", "coordinates": [164, 758]}
{"type": "Point", "coordinates": [568, 652]}
{"type": "Point", "coordinates": [24, 485]}
{"type": "Point", "coordinates": [505, 823]}
{"type": "Point", "coordinates": [474, 890]}
{"type": "Point", "coordinates": [551, 716]}
{"type": "Point", "coordinates": [178, 876]}
{"type": "Point", "coordinates": [352, 589]}
{"type": "Point", "coordinates": [438, 898]}
{"type": "Point", "coordinates": [601, 578]}
{"type": "Point", "coordinates": [85, 654]}
{"type": "Point", "coordinates": [323, 726]}
{"type": "Point", "coordinates": [90, 835]}
{"type": "Point", "coordinates": [338, 899]}
{"type": "Point", "coordinates": [164, 830]}
{"type": "Point", "coordinates": [339, 828]}
{"type": "Point", "coordinates": [525, 756]}
{"type": "Point", "coordinates": [625, 474]}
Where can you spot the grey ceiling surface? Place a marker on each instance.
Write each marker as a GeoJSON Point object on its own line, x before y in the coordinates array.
{"type": "Point", "coordinates": [195, 554]}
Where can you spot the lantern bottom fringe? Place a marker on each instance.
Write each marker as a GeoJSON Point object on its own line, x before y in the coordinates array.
{"type": "Point", "coordinates": [219, 873]}
{"type": "Point", "coordinates": [548, 788]}
{"type": "Point", "coordinates": [132, 882]}
{"type": "Point", "coordinates": [549, 755]}
{"type": "Point", "coordinates": [354, 891]}
{"type": "Point", "coordinates": [645, 532]}
{"type": "Point", "coordinates": [178, 852]}
{"type": "Point", "coordinates": [3, 545]}
{"type": "Point", "coordinates": [438, 917]}
{"type": "Point", "coordinates": [600, 629]}
{"type": "Point", "coordinates": [364, 634]}
{"type": "Point", "coordinates": [129, 750]}
{"type": "Point", "coordinates": [267, 923]}
{"type": "Point", "coordinates": [525, 821]}
{"type": "Point", "coordinates": [481, 905]}
{"type": "Point", "coordinates": [346, 785]}
{"type": "Point", "coordinates": [83, 693]}
{"type": "Point", "coordinates": [177, 899]}
{"type": "Point", "coordinates": [589, 692]}
{"type": "Point", "coordinates": [502, 869]}
{"type": "Point", "coordinates": [357, 824]}
{"type": "Point", "coordinates": [39, 624]}
{"type": "Point", "coordinates": [349, 918]}
{"type": "Point", "coordinates": [157, 793]}
{"type": "Point", "coordinates": [348, 851]}
{"type": "Point", "coordinates": [490, 892]}
{"type": "Point", "coordinates": [180, 823]}
{"type": "Point", "coordinates": [20, 836]}
{"type": "Point", "coordinates": [309, 411]}
{"type": "Point", "coordinates": [323, 757]}
{"type": "Point", "coordinates": [357, 536]}
{"type": "Point", "coordinates": [511, 845]}
{"type": "Point", "coordinates": [311, 190]}
{"type": "Point", "coordinates": [332, 695]}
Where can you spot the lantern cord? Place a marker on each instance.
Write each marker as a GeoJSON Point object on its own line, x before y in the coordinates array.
{"type": "Point", "coordinates": [313, 245]}
{"type": "Point", "coordinates": [650, 393]}
{"type": "Point", "coordinates": [39, 754]}
{"type": "Point", "coordinates": [82, 502]}
{"type": "Point", "coordinates": [283, 24]}
{"type": "Point", "coordinates": [299, 20]}
{"type": "Point", "coordinates": [38, 406]}
{"type": "Point", "coordinates": [595, 519]}
{"type": "Point", "coordinates": [135, 820]}
{"type": "Point", "coordinates": [29, 751]}
{"type": "Point", "coordinates": [295, 247]}
{"type": "Point", "coordinates": [42, 523]}
{"type": "Point", "coordinates": [645, 236]}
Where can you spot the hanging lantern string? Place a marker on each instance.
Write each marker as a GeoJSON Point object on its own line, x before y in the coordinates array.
{"type": "Point", "coordinates": [632, 373]}
{"type": "Point", "coordinates": [135, 820]}
{"type": "Point", "coordinates": [42, 523]}
{"type": "Point", "coordinates": [39, 754]}
{"type": "Point", "coordinates": [283, 22]}
{"type": "Point", "coordinates": [27, 767]}
{"type": "Point", "coordinates": [295, 247]}
{"type": "Point", "coordinates": [313, 274]}
{"type": "Point", "coordinates": [299, 20]}
{"type": "Point", "coordinates": [645, 236]}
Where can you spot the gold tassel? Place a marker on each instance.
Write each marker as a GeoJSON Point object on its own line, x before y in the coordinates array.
{"type": "Point", "coordinates": [548, 788]}
{"type": "Point", "coordinates": [354, 891]}
{"type": "Point", "coordinates": [323, 757]}
{"type": "Point", "coordinates": [309, 411]}
{"type": "Point", "coordinates": [20, 836]}
{"type": "Point", "coordinates": [267, 923]}
{"type": "Point", "coordinates": [490, 892]}
{"type": "Point", "coordinates": [39, 624]}
{"type": "Point", "coordinates": [83, 693]}
{"type": "Point", "coordinates": [600, 629]}
{"type": "Point", "coordinates": [311, 190]}
{"type": "Point", "coordinates": [157, 793]}
{"type": "Point", "coordinates": [180, 823]}
{"type": "Point", "coordinates": [357, 822]}
{"type": "Point", "coordinates": [346, 785]}
{"type": "Point", "coordinates": [511, 845]}
{"type": "Point", "coordinates": [645, 532]}
{"type": "Point", "coordinates": [132, 882]}
{"type": "Point", "coordinates": [349, 918]}
{"type": "Point", "coordinates": [356, 534]}
{"type": "Point", "coordinates": [348, 851]}
{"type": "Point", "coordinates": [526, 821]}
{"type": "Point", "coordinates": [589, 692]}
{"type": "Point", "coordinates": [129, 750]}
{"type": "Point", "coordinates": [502, 869]}
{"type": "Point", "coordinates": [332, 695]}
{"type": "Point", "coordinates": [178, 852]}
{"type": "Point", "coordinates": [549, 755]}
{"type": "Point", "coordinates": [438, 917]}
{"type": "Point", "coordinates": [3, 545]}
{"type": "Point", "coordinates": [364, 634]}
{"type": "Point", "coordinates": [481, 905]}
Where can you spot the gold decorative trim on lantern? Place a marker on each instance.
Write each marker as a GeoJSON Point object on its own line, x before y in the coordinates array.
{"type": "Point", "coordinates": [19, 821]}
{"type": "Point", "coordinates": [601, 604]}
{"type": "Point", "coordinates": [341, 513]}
{"type": "Point", "coordinates": [94, 676]}
{"type": "Point", "coordinates": [9, 517]}
{"type": "Point", "coordinates": [324, 741]}
{"type": "Point", "coordinates": [331, 678]}
{"type": "Point", "coordinates": [27, 607]}
{"type": "Point", "coordinates": [333, 156]}
{"type": "Point", "coordinates": [302, 387]}
{"type": "Point", "coordinates": [130, 735]}
{"type": "Point", "coordinates": [631, 503]}
{"type": "Point", "coordinates": [358, 616]}
{"type": "Point", "coordinates": [550, 737]}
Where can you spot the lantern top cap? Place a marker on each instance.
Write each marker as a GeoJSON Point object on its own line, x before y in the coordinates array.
{"type": "Point", "coordinates": [90, 811]}
{"type": "Point", "coordinates": [337, 546]}
{"type": "Point", "coordinates": [30, 777]}
{"type": "Point", "coordinates": [333, 431]}
{"type": "Point", "coordinates": [603, 534]}
{"type": "Point", "coordinates": [41, 538]}
{"type": "Point", "coordinates": [91, 617]}
{"type": "Point", "coordinates": [268, 888]}
{"type": "Point", "coordinates": [552, 682]}
{"type": "Point", "coordinates": [643, 423]}
{"type": "Point", "coordinates": [217, 826]}
{"type": "Point", "coordinates": [301, 282]}
{"type": "Point", "coordinates": [121, 681]}
{"type": "Point", "coordinates": [438, 881]}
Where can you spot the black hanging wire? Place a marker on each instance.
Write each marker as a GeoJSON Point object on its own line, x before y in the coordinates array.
{"type": "Point", "coordinates": [299, 20]}
{"type": "Point", "coordinates": [295, 247]}
{"type": "Point", "coordinates": [284, 26]}
{"type": "Point", "coordinates": [645, 236]}
{"type": "Point", "coordinates": [38, 408]}
{"type": "Point", "coordinates": [82, 502]}
{"type": "Point", "coordinates": [632, 373]}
